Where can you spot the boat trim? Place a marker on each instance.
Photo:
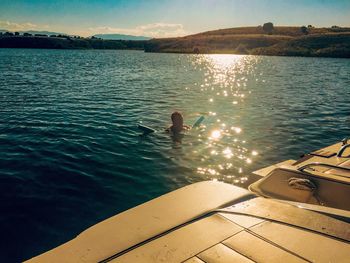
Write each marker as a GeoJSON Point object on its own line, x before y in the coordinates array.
{"type": "Point", "coordinates": [341, 151]}
{"type": "Point", "coordinates": [330, 166]}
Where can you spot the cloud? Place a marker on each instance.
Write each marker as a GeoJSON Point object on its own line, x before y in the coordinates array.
{"type": "Point", "coordinates": [157, 30]}
{"type": "Point", "coordinates": [150, 30]}
{"type": "Point", "coordinates": [11, 26]}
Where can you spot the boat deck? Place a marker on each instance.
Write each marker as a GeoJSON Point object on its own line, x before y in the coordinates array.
{"type": "Point", "coordinates": [224, 237]}
{"type": "Point", "coordinates": [210, 222]}
{"type": "Point", "coordinates": [327, 155]}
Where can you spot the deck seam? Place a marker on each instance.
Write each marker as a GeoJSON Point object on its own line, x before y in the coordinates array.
{"type": "Point", "coordinates": [261, 237]}
{"type": "Point", "coordinates": [287, 224]}
{"type": "Point", "coordinates": [238, 251]}
{"type": "Point", "coordinates": [276, 245]}
{"type": "Point", "coordinates": [212, 246]}
{"type": "Point", "coordinates": [211, 213]}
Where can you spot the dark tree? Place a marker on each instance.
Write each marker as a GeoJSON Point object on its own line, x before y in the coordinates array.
{"type": "Point", "coordinates": [304, 30]}
{"type": "Point", "coordinates": [268, 27]}
{"type": "Point", "coordinates": [16, 33]}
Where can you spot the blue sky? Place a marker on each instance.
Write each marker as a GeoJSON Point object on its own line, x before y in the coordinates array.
{"type": "Point", "coordinates": [166, 18]}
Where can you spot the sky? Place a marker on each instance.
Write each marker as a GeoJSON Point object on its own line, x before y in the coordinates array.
{"type": "Point", "coordinates": [166, 18]}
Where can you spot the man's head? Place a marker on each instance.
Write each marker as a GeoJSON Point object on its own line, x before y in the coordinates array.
{"type": "Point", "coordinates": [177, 120]}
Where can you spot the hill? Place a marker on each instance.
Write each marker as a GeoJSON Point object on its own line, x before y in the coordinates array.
{"type": "Point", "coordinates": [277, 30]}
{"type": "Point", "coordinates": [65, 42]}
{"type": "Point", "coordinates": [33, 32]}
{"type": "Point", "coordinates": [281, 41]}
{"type": "Point", "coordinates": [120, 37]}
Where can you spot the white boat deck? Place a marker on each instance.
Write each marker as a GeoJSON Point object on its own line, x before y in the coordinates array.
{"type": "Point", "coordinates": [210, 222]}
{"type": "Point", "coordinates": [266, 170]}
{"type": "Point", "coordinates": [327, 155]}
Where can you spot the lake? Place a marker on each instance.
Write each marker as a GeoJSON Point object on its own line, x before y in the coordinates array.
{"type": "Point", "coordinates": [71, 153]}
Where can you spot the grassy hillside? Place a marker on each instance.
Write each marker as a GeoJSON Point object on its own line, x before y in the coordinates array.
{"type": "Point", "coordinates": [280, 30]}
{"type": "Point", "coordinates": [318, 45]}
{"type": "Point", "coordinates": [282, 41]}
{"type": "Point", "coordinates": [66, 43]}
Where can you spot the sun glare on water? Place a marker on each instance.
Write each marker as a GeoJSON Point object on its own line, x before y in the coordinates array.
{"type": "Point", "coordinates": [226, 154]}
{"type": "Point", "coordinates": [222, 62]}
{"type": "Point", "coordinates": [215, 134]}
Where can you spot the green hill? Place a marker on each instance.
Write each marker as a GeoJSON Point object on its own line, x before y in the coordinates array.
{"type": "Point", "coordinates": [66, 42]}
{"type": "Point", "coordinates": [282, 41]}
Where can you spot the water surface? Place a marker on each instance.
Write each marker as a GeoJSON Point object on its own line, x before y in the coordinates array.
{"type": "Point", "coordinates": [71, 154]}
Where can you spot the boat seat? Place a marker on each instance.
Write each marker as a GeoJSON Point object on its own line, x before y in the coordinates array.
{"type": "Point", "coordinates": [324, 189]}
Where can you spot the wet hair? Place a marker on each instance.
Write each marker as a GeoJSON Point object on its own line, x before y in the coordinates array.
{"type": "Point", "coordinates": [174, 114]}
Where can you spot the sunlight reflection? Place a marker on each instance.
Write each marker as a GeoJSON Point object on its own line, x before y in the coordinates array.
{"type": "Point", "coordinates": [216, 134]}
{"type": "Point", "coordinates": [236, 129]}
{"type": "Point", "coordinates": [225, 153]}
{"type": "Point", "coordinates": [224, 61]}
{"type": "Point", "coordinates": [213, 152]}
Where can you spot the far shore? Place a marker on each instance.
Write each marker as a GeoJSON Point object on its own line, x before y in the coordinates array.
{"type": "Point", "coordinates": [277, 41]}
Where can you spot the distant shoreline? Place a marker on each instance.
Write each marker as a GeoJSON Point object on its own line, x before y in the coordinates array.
{"type": "Point", "coordinates": [66, 42]}
{"type": "Point", "coordinates": [281, 41]}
